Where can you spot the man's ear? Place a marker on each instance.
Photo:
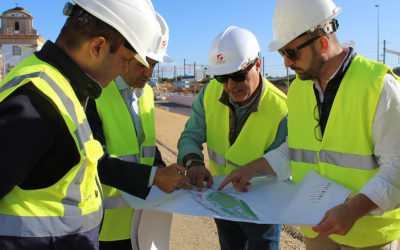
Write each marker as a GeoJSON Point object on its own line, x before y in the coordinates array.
{"type": "Point", "coordinates": [324, 44]}
{"type": "Point", "coordinates": [98, 45]}
{"type": "Point", "coordinates": [258, 63]}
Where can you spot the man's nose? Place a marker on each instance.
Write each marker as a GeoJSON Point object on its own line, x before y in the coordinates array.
{"type": "Point", "coordinates": [231, 83]}
{"type": "Point", "coordinates": [148, 72]}
{"type": "Point", "coordinates": [287, 61]}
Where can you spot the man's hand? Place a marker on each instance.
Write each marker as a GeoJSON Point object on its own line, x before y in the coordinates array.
{"type": "Point", "coordinates": [240, 177]}
{"type": "Point", "coordinates": [198, 174]}
{"type": "Point", "coordinates": [171, 178]}
{"type": "Point", "coordinates": [340, 219]}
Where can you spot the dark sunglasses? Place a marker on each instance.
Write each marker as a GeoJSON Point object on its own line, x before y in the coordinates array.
{"type": "Point", "coordinates": [239, 76]}
{"type": "Point", "coordinates": [291, 53]}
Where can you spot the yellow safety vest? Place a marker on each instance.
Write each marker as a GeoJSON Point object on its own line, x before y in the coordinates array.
{"type": "Point", "coordinates": [74, 203]}
{"type": "Point", "coordinates": [256, 136]}
{"type": "Point", "coordinates": [346, 152]}
{"type": "Point", "coordinates": [121, 141]}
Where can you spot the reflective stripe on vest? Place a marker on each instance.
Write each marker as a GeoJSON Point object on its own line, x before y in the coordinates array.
{"type": "Point", "coordinates": [115, 202]}
{"type": "Point", "coordinates": [345, 154]}
{"type": "Point", "coordinates": [131, 158]}
{"type": "Point", "coordinates": [72, 220]}
{"type": "Point", "coordinates": [121, 141]}
{"type": "Point", "coordinates": [148, 151]}
{"type": "Point", "coordinates": [363, 162]}
{"type": "Point", "coordinates": [256, 136]}
{"type": "Point", "coordinates": [220, 159]}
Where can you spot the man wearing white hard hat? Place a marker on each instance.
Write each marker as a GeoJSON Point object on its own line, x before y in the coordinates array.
{"type": "Point", "coordinates": [50, 194]}
{"type": "Point", "coordinates": [343, 122]}
{"type": "Point", "coordinates": [122, 119]}
{"type": "Point", "coordinates": [240, 115]}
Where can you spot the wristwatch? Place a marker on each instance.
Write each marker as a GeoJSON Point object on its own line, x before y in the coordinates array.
{"type": "Point", "coordinates": [189, 163]}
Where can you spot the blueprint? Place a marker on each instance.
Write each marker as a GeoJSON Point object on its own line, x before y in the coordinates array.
{"type": "Point", "coordinates": [267, 202]}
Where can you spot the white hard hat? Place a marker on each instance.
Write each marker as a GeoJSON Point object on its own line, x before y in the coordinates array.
{"type": "Point", "coordinates": [294, 17]}
{"type": "Point", "coordinates": [231, 50]}
{"type": "Point", "coordinates": [159, 50]}
{"type": "Point", "coordinates": [134, 19]}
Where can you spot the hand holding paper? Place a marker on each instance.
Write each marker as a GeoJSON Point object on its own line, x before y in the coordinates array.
{"type": "Point", "coordinates": [341, 218]}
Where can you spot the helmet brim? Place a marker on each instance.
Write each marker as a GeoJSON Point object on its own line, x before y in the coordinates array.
{"type": "Point", "coordinates": [224, 70]}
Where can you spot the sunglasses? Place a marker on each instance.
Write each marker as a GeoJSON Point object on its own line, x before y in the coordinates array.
{"type": "Point", "coordinates": [291, 53]}
{"type": "Point", "coordinates": [239, 76]}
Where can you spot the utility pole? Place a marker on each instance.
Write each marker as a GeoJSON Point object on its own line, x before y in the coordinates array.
{"type": "Point", "coordinates": [194, 78]}
{"type": "Point", "coordinates": [384, 51]}
{"type": "Point", "coordinates": [158, 71]}
{"type": "Point", "coordinates": [175, 73]}
{"type": "Point", "coordinates": [194, 71]}
{"type": "Point", "coordinates": [184, 67]}
{"type": "Point", "coordinates": [263, 74]}
{"type": "Point", "coordinates": [377, 49]}
{"type": "Point", "coordinates": [287, 77]}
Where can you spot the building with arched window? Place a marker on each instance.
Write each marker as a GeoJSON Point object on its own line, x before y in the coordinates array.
{"type": "Point", "coordinates": [18, 38]}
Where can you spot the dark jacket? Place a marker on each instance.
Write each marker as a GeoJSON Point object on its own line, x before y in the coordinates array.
{"type": "Point", "coordinates": [37, 149]}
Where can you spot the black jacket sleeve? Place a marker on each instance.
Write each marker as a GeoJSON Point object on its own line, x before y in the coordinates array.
{"type": "Point", "coordinates": [130, 177]}
{"type": "Point", "coordinates": [36, 147]}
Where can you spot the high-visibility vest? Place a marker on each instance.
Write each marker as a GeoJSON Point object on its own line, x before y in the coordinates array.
{"type": "Point", "coordinates": [73, 204]}
{"type": "Point", "coordinates": [256, 136]}
{"type": "Point", "coordinates": [346, 152]}
{"type": "Point", "coordinates": [121, 141]}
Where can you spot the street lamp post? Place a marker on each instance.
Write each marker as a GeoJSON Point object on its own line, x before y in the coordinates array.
{"type": "Point", "coordinates": [377, 50]}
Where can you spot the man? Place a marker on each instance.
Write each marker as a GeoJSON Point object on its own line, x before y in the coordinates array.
{"type": "Point", "coordinates": [50, 196]}
{"type": "Point", "coordinates": [229, 114]}
{"type": "Point", "coordinates": [122, 119]}
{"type": "Point", "coordinates": [343, 121]}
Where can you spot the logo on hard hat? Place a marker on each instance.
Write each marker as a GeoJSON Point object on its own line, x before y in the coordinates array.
{"type": "Point", "coordinates": [163, 44]}
{"type": "Point", "coordinates": [220, 58]}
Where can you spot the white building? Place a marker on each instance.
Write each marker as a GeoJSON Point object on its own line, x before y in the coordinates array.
{"type": "Point", "coordinates": [18, 38]}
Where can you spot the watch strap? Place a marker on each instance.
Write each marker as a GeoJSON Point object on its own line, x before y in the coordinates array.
{"type": "Point", "coordinates": [190, 162]}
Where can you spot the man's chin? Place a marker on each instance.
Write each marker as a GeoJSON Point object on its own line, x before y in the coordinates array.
{"type": "Point", "coordinates": [139, 85]}
{"type": "Point", "coordinates": [304, 76]}
{"type": "Point", "coordinates": [237, 98]}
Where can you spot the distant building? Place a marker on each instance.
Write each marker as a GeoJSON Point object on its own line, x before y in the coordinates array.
{"type": "Point", "coordinates": [153, 81]}
{"type": "Point", "coordinates": [18, 38]}
{"type": "Point", "coordinates": [188, 78]}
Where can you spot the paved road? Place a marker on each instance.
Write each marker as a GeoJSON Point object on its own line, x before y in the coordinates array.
{"type": "Point", "coordinates": [177, 104]}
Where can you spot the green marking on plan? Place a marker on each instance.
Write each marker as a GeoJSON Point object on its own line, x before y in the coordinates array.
{"type": "Point", "coordinates": [229, 202]}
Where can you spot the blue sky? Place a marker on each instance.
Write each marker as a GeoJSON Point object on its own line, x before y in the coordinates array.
{"type": "Point", "coordinates": [194, 24]}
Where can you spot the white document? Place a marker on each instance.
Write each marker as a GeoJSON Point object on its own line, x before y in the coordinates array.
{"type": "Point", "coordinates": [266, 202]}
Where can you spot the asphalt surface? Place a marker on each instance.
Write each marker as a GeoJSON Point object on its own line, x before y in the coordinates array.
{"type": "Point", "coordinates": [176, 104]}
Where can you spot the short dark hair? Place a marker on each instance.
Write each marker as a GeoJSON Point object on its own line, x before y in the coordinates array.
{"type": "Point", "coordinates": [78, 29]}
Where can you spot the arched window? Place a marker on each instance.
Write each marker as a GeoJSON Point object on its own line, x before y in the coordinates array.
{"type": "Point", "coordinates": [16, 27]}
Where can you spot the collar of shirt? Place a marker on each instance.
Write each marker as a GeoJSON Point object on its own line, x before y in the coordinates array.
{"type": "Point", "coordinates": [338, 75]}
{"type": "Point", "coordinates": [131, 99]}
{"type": "Point", "coordinates": [83, 85]}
